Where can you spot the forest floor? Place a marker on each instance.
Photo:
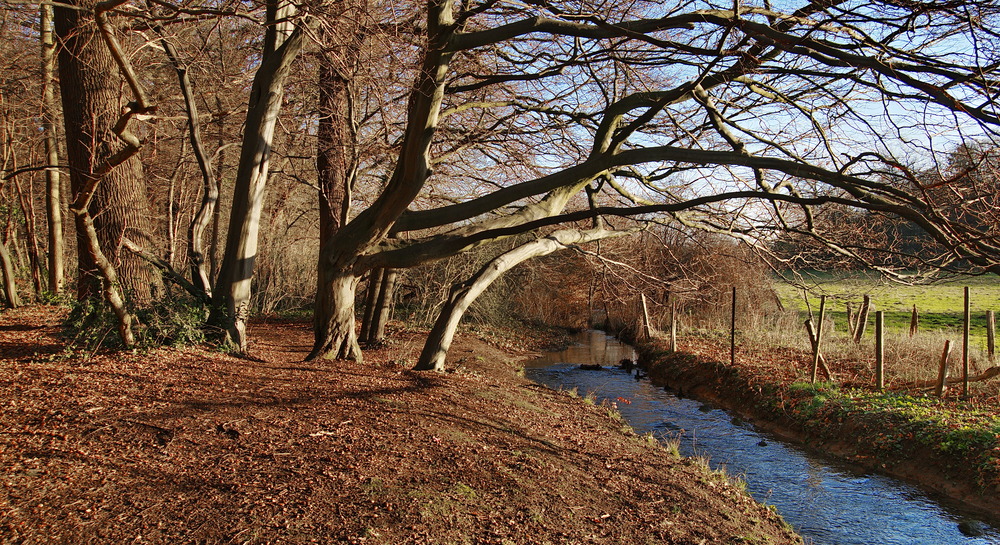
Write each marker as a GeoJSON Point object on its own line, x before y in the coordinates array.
{"type": "Point", "coordinates": [196, 446]}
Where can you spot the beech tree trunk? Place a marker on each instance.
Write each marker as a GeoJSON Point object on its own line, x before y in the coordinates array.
{"type": "Point", "coordinates": [232, 296]}
{"type": "Point", "coordinates": [334, 324]}
{"type": "Point", "coordinates": [53, 191]}
{"type": "Point", "coordinates": [92, 101]}
{"type": "Point", "coordinates": [339, 256]}
{"type": "Point", "coordinates": [210, 190]}
{"type": "Point", "coordinates": [371, 299]}
{"type": "Point", "coordinates": [382, 308]}
{"type": "Point", "coordinates": [9, 285]}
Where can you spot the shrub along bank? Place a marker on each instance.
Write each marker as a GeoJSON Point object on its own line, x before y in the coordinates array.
{"type": "Point", "coordinates": [948, 445]}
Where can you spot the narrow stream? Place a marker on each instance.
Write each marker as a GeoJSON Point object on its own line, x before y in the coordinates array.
{"type": "Point", "coordinates": [826, 501]}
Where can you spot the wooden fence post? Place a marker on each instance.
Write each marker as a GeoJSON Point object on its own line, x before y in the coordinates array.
{"type": "Point", "coordinates": [943, 369]}
{"type": "Point", "coordinates": [880, 350]}
{"type": "Point", "coordinates": [732, 332]}
{"type": "Point", "coordinates": [673, 325]}
{"type": "Point", "coordinates": [991, 332]}
{"type": "Point", "coordinates": [967, 318]}
{"type": "Point", "coordinates": [914, 321]}
{"type": "Point", "coordinates": [819, 337]}
{"type": "Point", "coordinates": [866, 306]}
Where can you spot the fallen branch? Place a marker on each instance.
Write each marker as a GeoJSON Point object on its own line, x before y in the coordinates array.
{"type": "Point", "coordinates": [168, 271]}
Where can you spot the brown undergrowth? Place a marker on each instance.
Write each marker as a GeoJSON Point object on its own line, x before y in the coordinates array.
{"type": "Point", "coordinates": [197, 446]}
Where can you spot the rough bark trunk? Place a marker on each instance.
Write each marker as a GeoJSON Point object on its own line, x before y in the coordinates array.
{"type": "Point", "coordinates": [336, 165]}
{"type": "Point", "coordinates": [90, 84]}
{"type": "Point", "coordinates": [53, 191]}
{"type": "Point", "coordinates": [111, 285]}
{"type": "Point", "coordinates": [435, 350]}
{"type": "Point", "coordinates": [232, 296]}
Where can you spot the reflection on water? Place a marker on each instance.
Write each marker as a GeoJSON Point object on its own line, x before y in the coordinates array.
{"type": "Point", "coordinates": [827, 502]}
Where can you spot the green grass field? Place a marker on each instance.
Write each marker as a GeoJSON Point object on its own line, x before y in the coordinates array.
{"type": "Point", "coordinates": [939, 305]}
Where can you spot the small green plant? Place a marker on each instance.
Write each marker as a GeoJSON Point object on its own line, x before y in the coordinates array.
{"type": "Point", "coordinates": [173, 321]}
{"type": "Point", "coordinates": [590, 398]}
{"type": "Point", "coordinates": [90, 325]}
{"type": "Point", "coordinates": [49, 298]}
{"type": "Point", "coordinates": [464, 490]}
{"type": "Point", "coordinates": [672, 445]}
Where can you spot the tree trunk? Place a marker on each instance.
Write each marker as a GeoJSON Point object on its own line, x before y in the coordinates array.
{"type": "Point", "coordinates": [335, 337]}
{"type": "Point", "coordinates": [334, 327]}
{"type": "Point", "coordinates": [210, 187]}
{"type": "Point", "coordinates": [31, 240]}
{"type": "Point", "coordinates": [232, 297]}
{"type": "Point", "coordinates": [90, 84]}
{"type": "Point", "coordinates": [383, 307]}
{"type": "Point", "coordinates": [464, 294]}
{"type": "Point", "coordinates": [9, 284]}
{"type": "Point", "coordinates": [371, 299]}
{"type": "Point", "coordinates": [53, 192]}
{"type": "Point", "coordinates": [220, 164]}
{"type": "Point", "coordinates": [111, 285]}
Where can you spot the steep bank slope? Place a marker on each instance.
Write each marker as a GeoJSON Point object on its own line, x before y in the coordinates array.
{"type": "Point", "coordinates": [947, 446]}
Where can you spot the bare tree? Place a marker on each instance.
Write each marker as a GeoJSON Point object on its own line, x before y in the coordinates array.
{"type": "Point", "coordinates": [737, 120]}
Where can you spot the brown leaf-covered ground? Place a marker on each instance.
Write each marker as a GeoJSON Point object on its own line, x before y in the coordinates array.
{"type": "Point", "coordinates": [196, 446]}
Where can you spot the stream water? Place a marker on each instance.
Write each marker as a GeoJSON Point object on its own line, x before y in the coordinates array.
{"type": "Point", "coordinates": [826, 501]}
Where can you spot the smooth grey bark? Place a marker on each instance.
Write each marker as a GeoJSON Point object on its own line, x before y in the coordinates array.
{"type": "Point", "coordinates": [210, 188]}
{"type": "Point", "coordinates": [383, 307]}
{"type": "Point", "coordinates": [232, 295]}
{"type": "Point", "coordinates": [371, 299]}
{"type": "Point", "coordinates": [9, 283]}
{"type": "Point", "coordinates": [461, 295]}
{"type": "Point", "coordinates": [53, 191]}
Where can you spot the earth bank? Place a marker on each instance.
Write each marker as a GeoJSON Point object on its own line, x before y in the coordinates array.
{"type": "Point", "coordinates": [196, 446]}
{"type": "Point", "coordinates": [881, 432]}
